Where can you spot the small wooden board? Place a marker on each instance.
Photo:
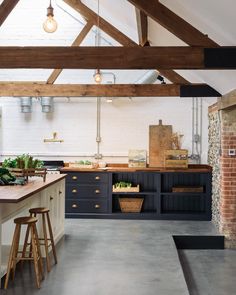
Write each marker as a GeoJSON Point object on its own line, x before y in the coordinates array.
{"type": "Point", "coordinates": [159, 141]}
{"type": "Point", "coordinates": [187, 189]}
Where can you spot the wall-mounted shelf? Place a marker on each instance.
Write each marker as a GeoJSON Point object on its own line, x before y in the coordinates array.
{"type": "Point", "coordinates": [53, 139]}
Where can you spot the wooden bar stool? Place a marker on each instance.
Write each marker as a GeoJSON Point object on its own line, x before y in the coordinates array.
{"type": "Point", "coordinates": [34, 254]}
{"type": "Point", "coordinates": [46, 241]}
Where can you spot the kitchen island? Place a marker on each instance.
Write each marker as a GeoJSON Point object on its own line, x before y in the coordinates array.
{"type": "Point", "coordinates": [171, 194]}
{"type": "Point", "coordinates": [15, 201]}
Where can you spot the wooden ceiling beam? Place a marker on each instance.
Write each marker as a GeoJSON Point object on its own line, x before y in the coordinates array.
{"type": "Point", "coordinates": [166, 58]}
{"type": "Point", "coordinates": [6, 8]}
{"type": "Point", "coordinates": [79, 39]}
{"type": "Point", "coordinates": [142, 26]}
{"type": "Point", "coordinates": [105, 26]}
{"type": "Point", "coordinates": [114, 90]}
{"type": "Point", "coordinates": [173, 23]}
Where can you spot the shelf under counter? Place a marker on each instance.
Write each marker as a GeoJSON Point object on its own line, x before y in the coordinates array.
{"type": "Point", "coordinates": [134, 193]}
{"type": "Point", "coordinates": [183, 194]}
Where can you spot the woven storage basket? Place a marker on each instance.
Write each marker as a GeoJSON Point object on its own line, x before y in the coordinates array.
{"type": "Point", "coordinates": [131, 205]}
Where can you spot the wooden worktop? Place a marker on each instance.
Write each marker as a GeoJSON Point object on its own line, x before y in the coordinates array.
{"type": "Point", "coordinates": [17, 193]}
{"type": "Point", "coordinates": [125, 168]}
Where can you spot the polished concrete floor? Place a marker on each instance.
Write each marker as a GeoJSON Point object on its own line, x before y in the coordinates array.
{"type": "Point", "coordinates": [126, 257]}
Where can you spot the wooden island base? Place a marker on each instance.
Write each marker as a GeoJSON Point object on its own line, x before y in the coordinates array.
{"type": "Point", "coordinates": [15, 201]}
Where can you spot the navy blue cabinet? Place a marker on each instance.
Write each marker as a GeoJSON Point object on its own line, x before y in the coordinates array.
{"type": "Point", "coordinates": [89, 195]}
{"type": "Point", "coordinates": [86, 193]}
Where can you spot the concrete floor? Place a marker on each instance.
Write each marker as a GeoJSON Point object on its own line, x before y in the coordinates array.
{"type": "Point", "coordinates": [118, 257]}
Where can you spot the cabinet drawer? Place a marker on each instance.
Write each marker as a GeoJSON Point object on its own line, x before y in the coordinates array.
{"type": "Point", "coordinates": [84, 206]}
{"type": "Point", "coordinates": [77, 191]}
{"type": "Point", "coordinates": [86, 177]}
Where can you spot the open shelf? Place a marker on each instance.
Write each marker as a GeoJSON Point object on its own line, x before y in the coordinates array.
{"type": "Point", "coordinates": [134, 193]}
{"type": "Point", "coordinates": [181, 212]}
{"type": "Point", "coordinates": [183, 194]}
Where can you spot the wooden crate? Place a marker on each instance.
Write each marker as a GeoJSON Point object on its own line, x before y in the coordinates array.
{"type": "Point", "coordinates": [131, 205]}
{"type": "Point", "coordinates": [187, 189]}
{"type": "Point", "coordinates": [80, 166]}
{"type": "Point", "coordinates": [132, 189]}
{"type": "Point", "coordinates": [176, 159]}
{"type": "Point", "coordinates": [26, 173]}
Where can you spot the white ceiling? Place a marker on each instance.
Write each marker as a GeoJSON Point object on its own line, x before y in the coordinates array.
{"type": "Point", "coordinates": [24, 28]}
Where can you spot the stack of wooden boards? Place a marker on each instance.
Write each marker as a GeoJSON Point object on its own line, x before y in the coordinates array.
{"type": "Point", "coordinates": [161, 153]}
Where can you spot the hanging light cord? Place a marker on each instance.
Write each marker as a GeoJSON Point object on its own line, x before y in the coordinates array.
{"type": "Point", "coordinates": [98, 26]}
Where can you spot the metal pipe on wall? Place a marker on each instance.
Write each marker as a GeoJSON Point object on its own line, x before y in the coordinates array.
{"type": "Point", "coordinates": [98, 135]}
{"type": "Point", "coordinates": [193, 110]}
{"type": "Point", "coordinates": [196, 130]}
{"type": "Point", "coordinates": [201, 109]}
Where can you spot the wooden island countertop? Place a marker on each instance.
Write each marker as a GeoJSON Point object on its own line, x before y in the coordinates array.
{"type": "Point", "coordinates": [17, 193]}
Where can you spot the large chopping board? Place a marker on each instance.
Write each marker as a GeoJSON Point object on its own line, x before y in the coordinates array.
{"type": "Point", "coordinates": [159, 141]}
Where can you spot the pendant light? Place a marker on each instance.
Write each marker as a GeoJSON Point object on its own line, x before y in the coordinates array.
{"type": "Point", "coordinates": [50, 25]}
{"type": "Point", "coordinates": [97, 75]}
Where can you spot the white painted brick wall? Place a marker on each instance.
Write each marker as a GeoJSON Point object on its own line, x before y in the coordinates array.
{"type": "Point", "coordinates": [124, 125]}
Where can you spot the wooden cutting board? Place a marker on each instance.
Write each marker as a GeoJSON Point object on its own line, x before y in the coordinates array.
{"type": "Point", "coordinates": [159, 141]}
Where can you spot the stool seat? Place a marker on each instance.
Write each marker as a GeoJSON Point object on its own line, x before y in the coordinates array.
{"type": "Point", "coordinates": [25, 220]}
{"type": "Point", "coordinates": [39, 210]}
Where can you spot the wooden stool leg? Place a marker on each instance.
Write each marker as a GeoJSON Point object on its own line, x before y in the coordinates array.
{"type": "Point", "coordinates": [46, 243]}
{"type": "Point", "coordinates": [51, 238]}
{"type": "Point", "coordinates": [17, 242]}
{"type": "Point", "coordinates": [25, 244]}
{"type": "Point", "coordinates": [30, 251]}
{"type": "Point", "coordinates": [40, 262]}
{"type": "Point", "coordinates": [35, 256]}
{"type": "Point", "coordinates": [11, 256]}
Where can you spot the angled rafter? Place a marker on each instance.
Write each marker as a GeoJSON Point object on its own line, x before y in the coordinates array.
{"type": "Point", "coordinates": [54, 75]}
{"type": "Point", "coordinates": [105, 26]}
{"type": "Point", "coordinates": [114, 90]}
{"type": "Point", "coordinates": [117, 35]}
{"type": "Point", "coordinates": [142, 26]}
{"type": "Point", "coordinates": [174, 77]}
{"type": "Point", "coordinates": [5, 9]}
{"type": "Point", "coordinates": [173, 23]}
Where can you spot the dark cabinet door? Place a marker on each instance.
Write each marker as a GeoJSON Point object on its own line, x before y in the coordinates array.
{"type": "Point", "coordinates": [80, 191]}
{"type": "Point", "coordinates": [85, 206]}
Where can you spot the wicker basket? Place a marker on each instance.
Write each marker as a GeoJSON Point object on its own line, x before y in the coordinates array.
{"type": "Point", "coordinates": [131, 205]}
